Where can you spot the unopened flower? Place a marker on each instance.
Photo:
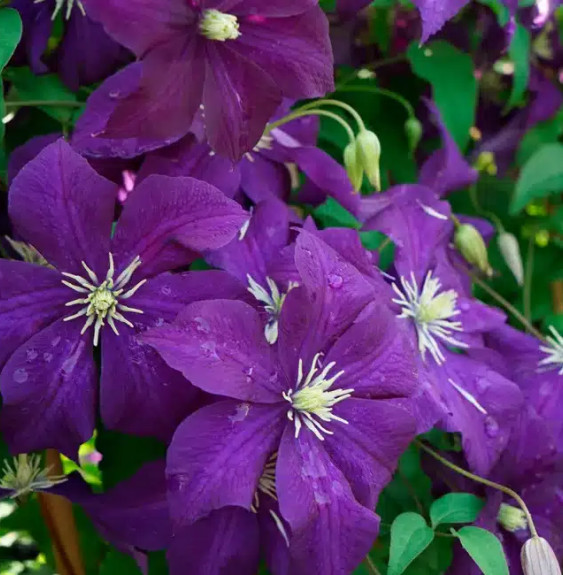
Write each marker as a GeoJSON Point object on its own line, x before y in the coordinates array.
{"type": "Point", "coordinates": [413, 130]}
{"type": "Point", "coordinates": [472, 247]}
{"type": "Point", "coordinates": [353, 166]}
{"type": "Point", "coordinates": [368, 153]}
{"type": "Point", "coordinates": [510, 251]}
{"type": "Point", "coordinates": [538, 558]}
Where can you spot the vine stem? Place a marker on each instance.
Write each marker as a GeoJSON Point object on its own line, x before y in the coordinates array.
{"type": "Point", "coordinates": [484, 481]}
{"type": "Point", "coordinates": [55, 103]}
{"type": "Point", "coordinates": [301, 113]}
{"type": "Point", "coordinates": [371, 566]}
{"type": "Point", "coordinates": [507, 305]}
{"type": "Point", "coordinates": [338, 104]}
{"type": "Point", "coordinates": [527, 288]}
{"type": "Point", "coordinates": [381, 92]}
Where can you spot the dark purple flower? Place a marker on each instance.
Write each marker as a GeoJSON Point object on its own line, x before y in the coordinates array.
{"type": "Point", "coordinates": [99, 283]}
{"type": "Point", "coordinates": [237, 59]}
{"type": "Point", "coordinates": [85, 54]}
{"type": "Point", "coordinates": [459, 393]}
{"type": "Point", "coordinates": [323, 398]}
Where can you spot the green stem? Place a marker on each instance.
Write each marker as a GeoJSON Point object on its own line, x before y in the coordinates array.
{"type": "Point", "coordinates": [527, 288]}
{"type": "Point", "coordinates": [374, 66]}
{"type": "Point", "coordinates": [302, 113]}
{"type": "Point", "coordinates": [337, 104]}
{"type": "Point", "coordinates": [56, 103]}
{"type": "Point", "coordinates": [475, 201]}
{"type": "Point", "coordinates": [371, 567]}
{"type": "Point", "coordinates": [484, 481]}
{"type": "Point", "coordinates": [507, 305]}
{"type": "Point", "coordinates": [381, 92]}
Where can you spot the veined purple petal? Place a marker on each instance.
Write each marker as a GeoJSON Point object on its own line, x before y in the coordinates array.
{"type": "Point", "coordinates": [49, 391]}
{"type": "Point", "coordinates": [262, 179]}
{"type": "Point", "coordinates": [274, 9]}
{"type": "Point", "coordinates": [218, 455]}
{"type": "Point", "coordinates": [61, 206]}
{"type": "Point", "coordinates": [219, 345]}
{"type": "Point", "coordinates": [435, 13]}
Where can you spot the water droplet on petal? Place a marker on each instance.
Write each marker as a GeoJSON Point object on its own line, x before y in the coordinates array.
{"type": "Point", "coordinates": [56, 341]}
{"type": "Point", "coordinates": [31, 354]}
{"type": "Point", "coordinates": [20, 375]}
{"type": "Point", "coordinates": [491, 427]}
{"type": "Point", "coordinates": [335, 281]}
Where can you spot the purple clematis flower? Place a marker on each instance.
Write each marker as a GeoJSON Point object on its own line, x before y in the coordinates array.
{"type": "Point", "coordinates": [458, 392]}
{"type": "Point", "coordinates": [324, 399]}
{"type": "Point", "coordinates": [86, 54]}
{"type": "Point", "coordinates": [236, 58]}
{"type": "Point", "coordinates": [99, 288]}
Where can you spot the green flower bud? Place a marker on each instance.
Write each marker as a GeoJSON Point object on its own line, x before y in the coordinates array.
{"type": "Point", "coordinates": [368, 150]}
{"type": "Point", "coordinates": [486, 164]}
{"type": "Point", "coordinates": [472, 247]}
{"type": "Point", "coordinates": [512, 518]}
{"type": "Point", "coordinates": [538, 558]}
{"type": "Point", "coordinates": [510, 251]}
{"type": "Point", "coordinates": [413, 130]}
{"type": "Point", "coordinates": [353, 166]}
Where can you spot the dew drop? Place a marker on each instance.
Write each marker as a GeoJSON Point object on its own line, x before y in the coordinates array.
{"type": "Point", "coordinates": [20, 375]}
{"type": "Point", "coordinates": [56, 341]}
{"type": "Point", "coordinates": [31, 354]}
{"type": "Point", "coordinates": [335, 281]}
{"type": "Point", "coordinates": [165, 290]}
{"type": "Point", "coordinates": [491, 427]}
{"type": "Point", "coordinates": [47, 356]}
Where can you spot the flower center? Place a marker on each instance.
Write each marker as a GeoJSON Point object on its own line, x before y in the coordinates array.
{"type": "Point", "coordinates": [102, 301]}
{"type": "Point", "coordinates": [273, 302]}
{"type": "Point", "coordinates": [554, 351]}
{"type": "Point", "coordinates": [219, 26]}
{"type": "Point", "coordinates": [312, 401]}
{"type": "Point", "coordinates": [431, 311]}
{"type": "Point", "coordinates": [25, 474]}
{"type": "Point", "coordinates": [511, 518]}
{"type": "Point", "coordinates": [70, 4]}
{"type": "Point", "coordinates": [266, 483]}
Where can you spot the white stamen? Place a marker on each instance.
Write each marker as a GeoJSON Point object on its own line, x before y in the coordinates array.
{"type": "Point", "coordinates": [554, 351]}
{"type": "Point", "coordinates": [280, 526]}
{"type": "Point", "coordinates": [28, 253]}
{"type": "Point", "coordinates": [466, 395]}
{"type": "Point", "coordinates": [312, 401]}
{"type": "Point", "coordinates": [273, 302]}
{"type": "Point", "coordinates": [266, 483]}
{"type": "Point", "coordinates": [265, 143]}
{"type": "Point", "coordinates": [432, 312]}
{"type": "Point", "coordinates": [25, 474]}
{"type": "Point", "coordinates": [219, 26]}
{"type": "Point", "coordinates": [103, 300]}
{"type": "Point", "coordinates": [432, 212]}
{"type": "Point", "coordinates": [69, 6]}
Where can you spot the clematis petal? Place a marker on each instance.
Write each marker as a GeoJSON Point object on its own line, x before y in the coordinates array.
{"type": "Point", "coordinates": [49, 391]}
{"type": "Point", "coordinates": [147, 24]}
{"type": "Point", "coordinates": [240, 96]}
{"type": "Point", "coordinates": [274, 9]}
{"type": "Point", "coordinates": [304, 67]}
{"type": "Point", "coordinates": [223, 543]}
{"type": "Point", "coordinates": [219, 345]}
{"type": "Point", "coordinates": [330, 531]}
{"type": "Point", "coordinates": [61, 206]}
{"type": "Point", "coordinates": [31, 298]}
{"type": "Point", "coordinates": [367, 449]}
{"type": "Point", "coordinates": [26, 152]}
{"type": "Point", "coordinates": [186, 216]}
{"type": "Point", "coordinates": [376, 355]}
{"type": "Point", "coordinates": [262, 179]}
{"type": "Point", "coordinates": [217, 456]}
{"type": "Point", "coordinates": [435, 13]}
{"type": "Point", "coordinates": [100, 106]}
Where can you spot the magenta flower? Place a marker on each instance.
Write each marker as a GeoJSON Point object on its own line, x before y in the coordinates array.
{"type": "Point", "coordinates": [99, 289]}
{"type": "Point", "coordinates": [324, 398]}
{"type": "Point", "coordinates": [236, 58]}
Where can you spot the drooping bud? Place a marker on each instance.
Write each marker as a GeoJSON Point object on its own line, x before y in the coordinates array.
{"type": "Point", "coordinates": [472, 247]}
{"type": "Point", "coordinates": [538, 558]}
{"type": "Point", "coordinates": [486, 164]}
{"type": "Point", "coordinates": [219, 26]}
{"type": "Point", "coordinates": [512, 518]}
{"type": "Point", "coordinates": [510, 251]}
{"type": "Point", "coordinates": [413, 130]}
{"type": "Point", "coordinates": [368, 150]}
{"type": "Point", "coordinates": [353, 166]}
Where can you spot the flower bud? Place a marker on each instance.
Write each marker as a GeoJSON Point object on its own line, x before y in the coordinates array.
{"type": "Point", "coordinates": [486, 164]}
{"type": "Point", "coordinates": [413, 130]}
{"type": "Point", "coordinates": [538, 558]}
{"type": "Point", "coordinates": [353, 166]}
{"type": "Point", "coordinates": [368, 151]}
{"type": "Point", "coordinates": [512, 518]}
{"type": "Point", "coordinates": [510, 251]}
{"type": "Point", "coordinates": [472, 247]}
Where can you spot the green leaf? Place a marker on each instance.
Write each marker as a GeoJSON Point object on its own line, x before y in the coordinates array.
{"type": "Point", "coordinates": [455, 508]}
{"type": "Point", "coordinates": [10, 35]}
{"type": "Point", "coordinates": [519, 53]}
{"type": "Point", "coordinates": [484, 548]}
{"type": "Point", "coordinates": [116, 562]}
{"type": "Point", "coordinates": [332, 214]}
{"type": "Point", "coordinates": [410, 536]}
{"type": "Point", "coordinates": [47, 88]}
{"type": "Point", "coordinates": [541, 176]}
{"type": "Point", "coordinates": [546, 132]}
{"type": "Point", "coordinates": [451, 74]}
